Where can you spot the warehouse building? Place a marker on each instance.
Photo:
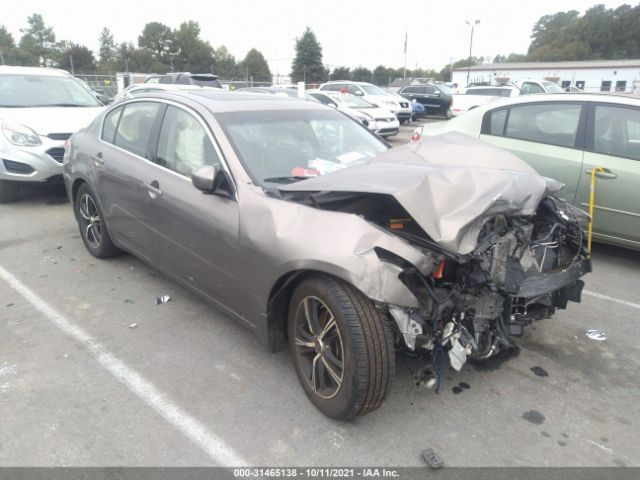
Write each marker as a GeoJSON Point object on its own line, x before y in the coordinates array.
{"type": "Point", "coordinates": [590, 76]}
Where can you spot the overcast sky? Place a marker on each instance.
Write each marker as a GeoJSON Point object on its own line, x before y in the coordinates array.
{"type": "Point", "coordinates": [351, 32]}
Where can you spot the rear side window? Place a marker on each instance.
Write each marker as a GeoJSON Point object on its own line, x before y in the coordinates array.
{"type": "Point", "coordinates": [549, 123]}
{"type": "Point", "coordinates": [184, 144]}
{"type": "Point", "coordinates": [134, 127]}
{"type": "Point", "coordinates": [111, 124]}
{"type": "Point", "coordinates": [617, 131]}
{"type": "Point", "coordinates": [498, 122]}
{"type": "Point", "coordinates": [410, 90]}
{"type": "Point", "coordinates": [552, 123]}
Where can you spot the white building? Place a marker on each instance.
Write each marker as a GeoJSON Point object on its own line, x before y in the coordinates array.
{"type": "Point", "coordinates": [591, 75]}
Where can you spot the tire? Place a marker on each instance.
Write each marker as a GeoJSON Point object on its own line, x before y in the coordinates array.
{"type": "Point", "coordinates": [9, 191]}
{"type": "Point", "coordinates": [448, 114]}
{"type": "Point", "coordinates": [360, 339]}
{"type": "Point", "coordinates": [93, 228]}
{"type": "Point", "coordinates": [401, 121]}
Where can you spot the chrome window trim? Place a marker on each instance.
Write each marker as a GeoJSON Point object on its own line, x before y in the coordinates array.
{"type": "Point", "coordinates": [190, 111]}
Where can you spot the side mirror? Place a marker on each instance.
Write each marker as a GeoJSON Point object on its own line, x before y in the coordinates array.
{"type": "Point", "coordinates": [212, 179]}
{"type": "Point", "coordinates": [437, 93]}
{"type": "Point", "coordinates": [358, 93]}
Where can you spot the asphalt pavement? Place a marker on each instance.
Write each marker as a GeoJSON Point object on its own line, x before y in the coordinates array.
{"type": "Point", "coordinates": [93, 372]}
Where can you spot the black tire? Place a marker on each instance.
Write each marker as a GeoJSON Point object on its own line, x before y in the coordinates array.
{"type": "Point", "coordinates": [448, 114]}
{"type": "Point", "coordinates": [8, 191]}
{"type": "Point", "coordinates": [94, 232]}
{"type": "Point", "coordinates": [401, 121]}
{"type": "Point", "coordinates": [368, 356]}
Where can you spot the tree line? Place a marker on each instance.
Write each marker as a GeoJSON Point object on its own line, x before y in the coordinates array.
{"type": "Point", "coordinates": [600, 33]}
{"type": "Point", "coordinates": [159, 49]}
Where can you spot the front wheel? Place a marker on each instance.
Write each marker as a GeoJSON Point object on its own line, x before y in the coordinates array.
{"type": "Point", "coordinates": [93, 228]}
{"type": "Point", "coordinates": [448, 114]}
{"type": "Point", "coordinates": [342, 348]}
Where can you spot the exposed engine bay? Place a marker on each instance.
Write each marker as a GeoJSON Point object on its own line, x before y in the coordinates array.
{"type": "Point", "coordinates": [472, 305]}
{"type": "Point", "coordinates": [503, 249]}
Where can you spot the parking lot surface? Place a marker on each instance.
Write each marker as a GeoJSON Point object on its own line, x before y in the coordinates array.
{"type": "Point", "coordinates": [94, 373]}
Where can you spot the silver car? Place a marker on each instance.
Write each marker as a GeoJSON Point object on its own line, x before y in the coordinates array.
{"type": "Point", "coordinates": [304, 226]}
{"type": "Point", "coordinates": [39, 110]}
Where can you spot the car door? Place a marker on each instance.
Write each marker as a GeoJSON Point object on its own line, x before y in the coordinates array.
{"type": "Point", "coordinates": [549, 136]}
{"type": "Point", "coordinates": [196, 235]}
{"type": "Point", "coordinates": [430, 98]}
{"type": "Point", "coordinates": [119, 166]}
{"type": "Point", "coordinates": [613, 142]}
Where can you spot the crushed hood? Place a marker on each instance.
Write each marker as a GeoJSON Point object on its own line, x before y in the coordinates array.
{"type": "Point", "coordinates": [450, 184]}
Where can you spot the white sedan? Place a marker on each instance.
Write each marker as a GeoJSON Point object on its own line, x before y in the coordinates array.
{"type": "Point", "coordinates": [376, 119]}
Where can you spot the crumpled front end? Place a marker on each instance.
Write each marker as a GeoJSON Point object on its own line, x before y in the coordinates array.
{"type": "Point", "coordinates": [521, 270]}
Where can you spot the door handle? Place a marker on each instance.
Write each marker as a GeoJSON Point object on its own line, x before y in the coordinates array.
{"type": "Point", "coordinates": [606, 174]}
{"type": "Point", "coordinates": [153, 188]}
{"type": "Point", "coordinates": [98, 159]}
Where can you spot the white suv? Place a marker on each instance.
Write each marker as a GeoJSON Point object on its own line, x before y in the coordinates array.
{"type": "Point", "coordinates": [398, 105]}
{"type": "Point", "coordinates": [40, 108]}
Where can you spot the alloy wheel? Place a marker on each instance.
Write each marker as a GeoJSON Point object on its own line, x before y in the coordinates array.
{"type": "Point", "coordinates": [319, 347]}
{"type": "Point", "coordinates": [90, 219]}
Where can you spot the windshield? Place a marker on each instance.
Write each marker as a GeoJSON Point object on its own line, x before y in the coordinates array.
{"type": "Point", "coordinates": [289, 145]}
{"type": "Point", "coordinates": [372, 90]}
{"type": "Point", "coordinates": [18, 90]}
{"type": "Point", "coordinates": [350, 100]}
{"type": "Point", "coordinates": [552, 87]}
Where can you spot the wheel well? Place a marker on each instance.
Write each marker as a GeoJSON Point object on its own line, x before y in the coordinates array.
{"type": "Point", "coordinates": [278, 306]}
{"type": "Point", "coordinates": [74, 189]}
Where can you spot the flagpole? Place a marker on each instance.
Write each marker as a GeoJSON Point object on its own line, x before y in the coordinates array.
{"type": "Point", "coordinates": [405, 55]}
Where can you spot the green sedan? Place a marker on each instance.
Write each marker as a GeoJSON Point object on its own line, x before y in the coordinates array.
{"type": "Point", "coordinates": [564, 137]}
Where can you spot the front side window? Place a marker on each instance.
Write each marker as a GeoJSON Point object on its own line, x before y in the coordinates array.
{"type": "Point", "coordinates": [617, 131]}
{"type": "Point", "coordinates": [134, 127]}
{"type": "Point", "coordinates": [183, 144]}
{"type": "Point", "coordinates": [286, 146]}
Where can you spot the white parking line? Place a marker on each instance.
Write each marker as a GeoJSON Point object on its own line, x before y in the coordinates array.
{"type": "Point", "coordinates": [611, 299]}
{"type": "Point", "coordinates": [214, 446]}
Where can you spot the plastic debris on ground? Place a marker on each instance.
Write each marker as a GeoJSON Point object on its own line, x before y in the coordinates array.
{"type": "Point", "coordinates": [133, 325]}
{"type": "Point", "coordinates": [432, 458]}
{"type": "Point", "coordinates": [597, 335]}
{"type": "Point", "coordinates": [163, 299]}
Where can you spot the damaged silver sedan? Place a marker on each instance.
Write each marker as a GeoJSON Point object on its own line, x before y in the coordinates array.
{"type": "Point", "coordinates": [300, 223]}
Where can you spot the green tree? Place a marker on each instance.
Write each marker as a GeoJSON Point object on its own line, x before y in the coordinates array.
{"type": "Point", "coordinates": [341, 73]}
{"type": "Point", "coordinates": [38, 40]}
{"type": "Point", "coordinates": [132, 59]}
{"type": "Point", "coordinates": [158, 39]}
{"type": "Point", "coordinates": [362, 74]}
{"type": "Point", "coordinates": [190, 52]}
{"type": "Point", "coordinates": [76, 58]}
{"type": "Point", "coordinates": [307, 64]}
{"type": "Point", "coordinates": [225, 64]}
{"type": "Point", "coordinates": [383, 75]}
{"type": "Point", "coordinates": [256, 66]}
{"type": "Point", "coordinates": [108, 51]}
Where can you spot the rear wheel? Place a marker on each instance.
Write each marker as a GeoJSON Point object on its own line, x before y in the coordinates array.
{"type": "Point", "coordinates": [8, 191]}
{"type": "Point", "coordinates": [342, 348]}
{"type": "Point", "coordinates": [93, 229]}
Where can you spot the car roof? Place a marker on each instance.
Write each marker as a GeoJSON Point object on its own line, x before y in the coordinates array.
{"type": "Point", "coordinates": [54, 72]}
{"type": "Point", "coordinates": [561, 97]}
{"type": "Point", "coordinates": [221, 101]}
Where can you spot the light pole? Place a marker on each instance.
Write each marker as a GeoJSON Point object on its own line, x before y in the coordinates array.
{"type": "Point", "coordinates": [472, 25]}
